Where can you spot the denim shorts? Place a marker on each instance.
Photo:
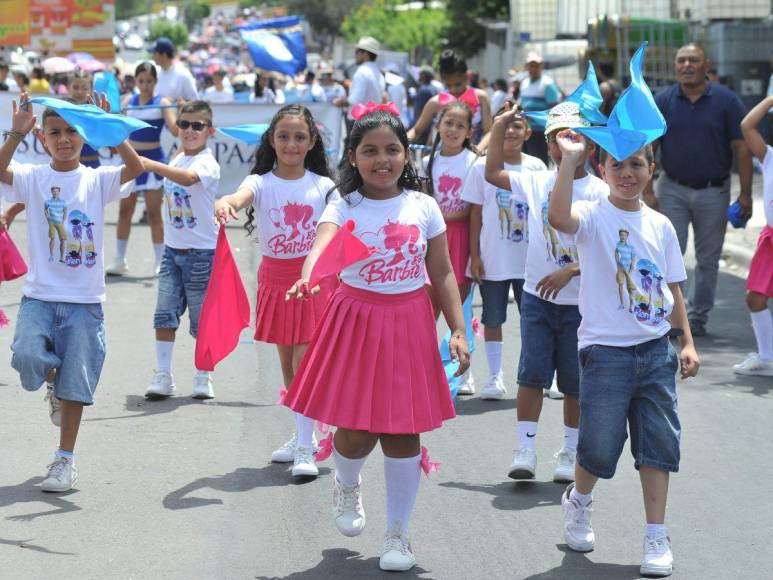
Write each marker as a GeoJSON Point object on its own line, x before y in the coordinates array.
{"type": "Point", "coordinates": [633, 386]}
{"type": "Point", "coordinates": [549, 345]}
{"type": "Point", "coordinates": [495, 294]}
{"type": "Point", "coordinates": [64, 336]}
{"type": "Point", "coordinates": [182, 283]}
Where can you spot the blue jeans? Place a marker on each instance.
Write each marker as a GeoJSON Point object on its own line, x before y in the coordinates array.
{"type": "Point", "coordinates": [182, 283]}
{"type": "Point", "coordinates": [495, 294]}
{"type": "Point", "coordinates": [549, 345]}
{"type": "Point", "coordinates": [64, 336]}
{"type": "Point", "coordinates": [630, 386]}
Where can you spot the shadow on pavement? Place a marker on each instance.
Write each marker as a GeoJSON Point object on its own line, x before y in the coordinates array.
{"type": "Point", "coordinates": [577, 566]}
{"type": "Point", "coordinates": [477, 406]}
{"type": "Point", "coordinates": [28, 492]}
{"type": "Point", "coordinates": [340, 562]}
{"type": "Point", "coordinates": [516, 496]}
{"type": "Point", "coordinates": [241, 480]}
{"type": "Point", "coordinates": [33, 547]}
{"type": "Point", "coordinates": [142, 407]}
{"type": "Point", "coordinates": [146, 281]}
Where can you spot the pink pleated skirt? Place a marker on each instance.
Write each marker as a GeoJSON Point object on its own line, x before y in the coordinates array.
{"type": "Point", "coordinates": [374, 365]}
{"type": "Point", "coordinates": [760, 277]}
{"type": "Point", "coordinates": [280, 321]}
{"type": "Point", "coordinates": [458, 235]}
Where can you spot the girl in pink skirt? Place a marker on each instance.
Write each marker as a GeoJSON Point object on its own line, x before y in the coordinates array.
{"type": "Point", "coordinates": [373, 368]}
{"type": "Point", "coordinates": [759, 284]}
{"type": "Point", "coordinates": [287, 191]}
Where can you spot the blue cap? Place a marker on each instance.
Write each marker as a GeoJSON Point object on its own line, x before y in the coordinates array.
{"type": "Point", "coordinates": [164, 45]}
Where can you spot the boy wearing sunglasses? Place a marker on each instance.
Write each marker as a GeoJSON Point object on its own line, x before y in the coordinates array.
{"type": "Point", "coordinates": [190, 185]}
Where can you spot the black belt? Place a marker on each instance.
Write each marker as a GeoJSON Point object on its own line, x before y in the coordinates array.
{"type": "Point", "coordinates": [701, 184]}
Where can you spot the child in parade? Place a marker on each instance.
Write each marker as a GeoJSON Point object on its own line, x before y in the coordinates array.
{"type": "Point", "coordinates": [499, 237]}
{"type": "Point", "coordinates": [190, 185]}
{"type": "Point", "coordinates": [373, 368]}
{"type": "Point", "coordinates": [79, 87]}
{"type": "Point", "coordinates": [287, 190]}
{"type": "Point", "coordinates": [759, 284]}
{"type": "Point", "coordinates": [448, 167]}
{"type": "Point", "coordinates": [550, 316]}
{"type": "Point", "coordinates": [628, 363]}
{"type": "Point", "coordinates": [60, 330]}
{"type": "Point", "coordinates": [147, 142]}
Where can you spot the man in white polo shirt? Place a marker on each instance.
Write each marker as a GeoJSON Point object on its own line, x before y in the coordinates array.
{"type": "Point", "coordinates": [174, 80]}
{"type": "Point", "coordinates": [367, 83]}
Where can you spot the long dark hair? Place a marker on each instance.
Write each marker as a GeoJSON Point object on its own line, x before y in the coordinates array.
{"type": "Point", "coordinates": [258, 90]}
{"type": "Point", "coordinates": [467, 144]}
{"type": "Point", "coordinates": [265, 155]}
{"type": "Point", "coordinates": [146, 67]}
{"type": "Point", "coordinates": [349, 178]}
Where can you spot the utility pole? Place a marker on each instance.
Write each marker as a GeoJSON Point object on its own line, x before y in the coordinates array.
{"type": "Point", "coordinates": [513, 35]}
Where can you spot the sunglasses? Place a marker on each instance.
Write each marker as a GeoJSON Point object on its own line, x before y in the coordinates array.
{"type": "Point", "coordinates": [195, 125]}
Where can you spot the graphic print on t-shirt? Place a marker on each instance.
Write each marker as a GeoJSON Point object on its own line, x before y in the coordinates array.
{"type": "Point", "coordinates": [299, 229]}
{"type": "Point", "coordinates": [513, 217]}
{"type": "Point", "coordinates": [559, 253]}
{"type": "Point", "coordinates": [642, 282]}
{"type": "Point", "coordinates": [178, 204]}
{"type": "Point", "coordinates": [55, 210]}
{"type": "Point", "coordinates": [80, 246]}
{"type": "Point", "coordinates": [397, 256]}
{"type": "Point", "coordinates": [449, 189]}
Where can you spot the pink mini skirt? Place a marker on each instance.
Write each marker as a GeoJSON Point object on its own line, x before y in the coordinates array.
{"type": "Point", "coordinates": [458, 235]}
{"type": "Point", "coordinates": [760, 278]}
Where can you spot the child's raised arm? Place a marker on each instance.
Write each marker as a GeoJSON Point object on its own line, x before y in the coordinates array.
{"type": "Point", "coordinates": [749, 128]}
{"type": "Point", "coordinates": [425, 119]}
{"type": "Point", "coordinates": [496, 174]}
{"type": "Point", "coordinates": [132, 163]}
{"type": "Point", "coordinates": [560, 213]}
{"type": "Point", "coordinates": [22, 122]}
{"type": "Point", "coordinates": [180, 175]}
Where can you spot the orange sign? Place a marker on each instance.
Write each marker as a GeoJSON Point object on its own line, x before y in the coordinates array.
{"type": "Point", "coordinates": [15, 24]}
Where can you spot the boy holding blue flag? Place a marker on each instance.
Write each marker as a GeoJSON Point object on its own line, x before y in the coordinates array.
{"type": "Point", "coordinates": [60, 331]}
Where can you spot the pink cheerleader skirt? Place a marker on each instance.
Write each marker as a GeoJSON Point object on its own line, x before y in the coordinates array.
{"type": "Point", "coordinates": [458, 235]}
{"type": "Point", "coordinates": [374, 365]}
{"type": "Point", "coordinates": [760, 278]}
{"type": "Point", "coordinates": [280, 321]}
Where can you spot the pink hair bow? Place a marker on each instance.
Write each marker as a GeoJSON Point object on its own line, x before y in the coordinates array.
{"type": "Point", "coordinates": [427, 465]}
{"type": "Point", "coordinates": [359, 110]}
{"type": "Point", "coordinates": [325, 448]}
{"type": "Point", "coordinates": [468, 97]}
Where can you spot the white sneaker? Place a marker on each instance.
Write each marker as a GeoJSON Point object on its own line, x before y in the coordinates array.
{"type": "Point", "coordinates": [495, 389]}
{"type": "Point", "coordinates": [347, 509]}
{"type": "Point", "coordinates": [564, 472]}
{"type": "Point", "coordinates": [119, 267]}
{"type": "Point", "coordinates": [554, 393]}
{"type": "Point", "coordinates": [61, 476]}
{"type": "Point", "coordinates": [54, 405]}
{"type": "Point", "coordinates": [754, 365]}
{"type": "Point", "coordinates": [286, 453]}
{"type": "Point", "coordinates": [658, 559]}
{"type": "Point", "coordinates": [304, 464]}
{"type": "Point", "coordinates": [397, 555]}
{"type": "Point", "coordinates": [467, 386]}
{"type": "Point", "coordinates": [524, 464]}
{"type": "Point", "coordinates": [161, 385]}
{"type": "Point", "coordinates": [202, 385]}
{"type": "Point", "coordinates": [578, 532]}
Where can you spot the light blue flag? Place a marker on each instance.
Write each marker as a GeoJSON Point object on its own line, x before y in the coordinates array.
{"type": "Point", "coordinates": [105, 82]}
{"type": "Point", "coordinates": [587, 96]}
{"type": "Point", "coordinates": [635, 121]}
{"type": "Point", "coordinates": [277, 44]}
{"type": "Point", "coordinates": [445, 349]}
{"type": "Point", "coordinates": [95, 126]}
{"type": "Point", "coordinates": [250, 134]}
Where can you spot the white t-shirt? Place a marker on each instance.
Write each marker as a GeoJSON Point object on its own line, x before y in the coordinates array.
{"type": "Point", "coordinates": [333, 92]}
{"type": "Point", "coordinates": [368, 84]}
{"type": "Point", "coordinates": [190, 222]}
{"type": "Point", "coordinates": [504, 234]}
{"type": "Point", "coordinates": [549, 250]}
{"type": "Point", "coordinates": [624, 295]}
{"type": "Point", "coordinates": [287, 212]}
{"type": "Point", "coordinates": [448, 176]}
{"type": "Point", "coordinates": [398, 229]}
{"type": "Point", "coordinates": [212, 95]}
{"type": "Point", "coordinates": [268, 97]}
{"type": "Point", "coordinates": [71, 269]}
{"type": "Point", "coordinates": [176, 83]}
{"type": "Point", "coordinates": [767, 187]}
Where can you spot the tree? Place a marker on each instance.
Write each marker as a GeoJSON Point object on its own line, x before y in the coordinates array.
{"type": "Point", "coordinates": [464, 32]}
{"type": "Point", "coordinates": [195, 13]}
{"type": "Point", "coordinates": [177, 32]}
{"type": "Point", "coordinates": [324, 16]}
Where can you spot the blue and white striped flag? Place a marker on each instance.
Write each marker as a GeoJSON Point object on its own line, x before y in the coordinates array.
{"type": "Point", "coordinates": [277, 44]}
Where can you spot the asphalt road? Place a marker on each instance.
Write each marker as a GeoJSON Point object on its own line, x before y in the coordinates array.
{"type": "Point", "coordinates": [184, 489]}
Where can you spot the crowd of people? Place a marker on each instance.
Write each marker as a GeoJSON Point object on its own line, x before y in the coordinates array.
{"type": "Point", "coordinates": [596, 272]}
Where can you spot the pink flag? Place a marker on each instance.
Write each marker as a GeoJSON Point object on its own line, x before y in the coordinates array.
{"type": "Point", "coordinates": [343, 250]}
{"type": "Point", "coordinates": [226, 309]}
{"type": "Point", "coordinates": [12, 265]}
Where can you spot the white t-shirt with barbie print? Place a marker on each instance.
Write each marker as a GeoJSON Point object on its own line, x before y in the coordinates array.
{"type": "Point", "coordinates": [398, 229]}
{"type": "Point", "coordinates": [550, 250]}
{"type": "Point", "coordinates": [767, 188]}
{"type": "Point", "coordinates": [65, 229]}
{"type": "Point", "coordinates": [189, 210]}
{"type": "Point", "coordinates": [504, 235]}
{"type": "Point", "coordinates": [287, 212]}
{"type": "Point", "coordinates": [448, 176]}
{"type": "Point", "coordinates": [627, 259]}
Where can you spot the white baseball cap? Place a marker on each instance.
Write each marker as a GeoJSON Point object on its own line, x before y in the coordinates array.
{"type": "Point", "coordinates": [369, 44]}
{"type": "Point", "coordinates": [565, 115]}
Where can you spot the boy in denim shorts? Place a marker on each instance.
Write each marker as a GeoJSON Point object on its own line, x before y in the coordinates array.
{"type": "Point", "coordinates": [549, 313]}
{"type": "Point", "coordinates": [60, 330]}
{"type": "Point", "coordinates": [628, 364]}
{"type": "Point", "coordinates": [190, 185]}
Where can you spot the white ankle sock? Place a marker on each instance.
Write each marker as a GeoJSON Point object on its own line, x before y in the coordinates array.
{"type": "Point", "coordinates": [62, 453]}
{"type": "Point", "coordinates": [164, 350]}
{"type": "Point", "coordinates": [402, 485]}
{"type": "Point", "coordinates": [570, 438]}
{"type": "Point", "coordinates": [158, 250]}
{"type": "Point", "coordinates": [583, 499]}
{"type": "Point", "coordinates": [304, 427]}
{"type": "Point", "coordinates": [527, 434]}
{"type": "Point", "coordinates": [494, 356]}
{"type": "Point", "coordinates": [347, 470]}
{"type": "Point", "coordinates": [656, 530]}
{"type": "Point", "coordinates": [762, 323]}
{"type": "Point", "coordinates": [120, 248]}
